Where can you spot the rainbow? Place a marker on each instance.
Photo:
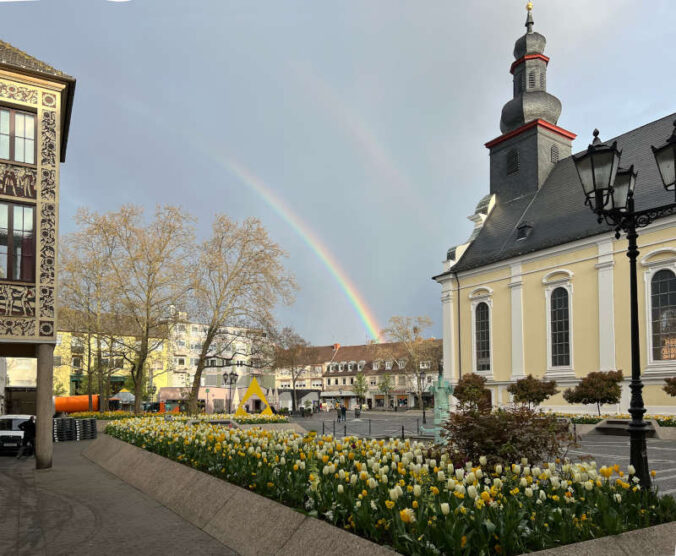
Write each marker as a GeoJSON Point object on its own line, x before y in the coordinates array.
{"type": "Point", "coordinates": [310, 238]}
{"type": "Point", "coordinates": [280, 207]}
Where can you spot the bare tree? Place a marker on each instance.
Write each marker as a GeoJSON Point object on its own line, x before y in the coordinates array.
{"type": "Point", "coordinates": [149, 264]}
{"type": "Point", "coordinates": [84, 298]}
{"type": "Point", "coordinates": [239, 280]}
{"type": "Point", "coordinates": [421, 356]}
{"type": "Point", "coordinates": [385, 386]}
{"type": "Point", "coordinates": [292, 354]}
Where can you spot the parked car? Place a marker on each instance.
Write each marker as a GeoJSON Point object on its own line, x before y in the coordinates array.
{"type": "Point", "coordinates": [11, 436]}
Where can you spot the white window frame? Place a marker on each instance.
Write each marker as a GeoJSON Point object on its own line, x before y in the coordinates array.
{"type": "Point", "coordinates": [482, 294]}
{"type": "Point", "coordinates": [559, 278]}
{"type": "Point", "coordinates": [653, 366]}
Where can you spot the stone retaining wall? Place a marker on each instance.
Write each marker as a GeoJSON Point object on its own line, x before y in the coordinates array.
{"type": "Point", "coordinates": [242, 520]}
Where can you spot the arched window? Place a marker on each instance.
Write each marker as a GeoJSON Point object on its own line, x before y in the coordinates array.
{"type": "Point", "coordinates": [512, 162]}
{"type": "Point", "coordinates": [663, 315]}
{"type": "Point", "coordinates": [482, 337]}
{"type": "Point", "coordinates": [531, 80]}
{"type": "Point", "coordinates": [555, 154]}
{"type": "Point", "coordinates": [560, 328]}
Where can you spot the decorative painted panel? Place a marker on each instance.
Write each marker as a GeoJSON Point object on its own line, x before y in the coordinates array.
{"type": "Point", "coordinates": [18, 181]}
{"type": "Point", "coordinates": [18, 327]}
{"type": "Point", "coordinates": [48, 185]}
{"type": "Point", "coordinates": [17, 301]}
{"type": "Point", "coordinates": [47, 302]}
{"type": "Point", "coordinates": [48, 136]}
{"type": "Point", "coordinates": [47, 243]}
{"type": "Point", "coordinates": [16, 92]}
{"type": "Point", "coordinates": [48, 100]}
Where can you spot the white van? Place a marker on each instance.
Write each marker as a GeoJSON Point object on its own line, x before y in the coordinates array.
{"type": "Point", "coordinates": [11, 436]}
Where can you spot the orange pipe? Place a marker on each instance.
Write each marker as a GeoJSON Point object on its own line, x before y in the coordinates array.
{"type": "Point", "coordinates": [71, 404]}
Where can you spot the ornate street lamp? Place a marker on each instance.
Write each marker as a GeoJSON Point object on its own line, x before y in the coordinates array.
{"type": "Point", "coordinates": [609, 192]}
{"type": "Point", "coordinates": [230, 379]}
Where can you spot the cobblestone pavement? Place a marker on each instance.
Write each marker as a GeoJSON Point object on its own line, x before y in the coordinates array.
{"type": "Point", "coordinates": [76, 508]}
{"type": "Point", "coordinates": [609, 450]}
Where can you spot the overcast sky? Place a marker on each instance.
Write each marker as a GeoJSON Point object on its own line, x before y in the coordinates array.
{"type": "Point", "coordinates": [366, 118]}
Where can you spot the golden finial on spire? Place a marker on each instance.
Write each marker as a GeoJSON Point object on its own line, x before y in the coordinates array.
{"type": "Point", "coordinates": [529, 6]}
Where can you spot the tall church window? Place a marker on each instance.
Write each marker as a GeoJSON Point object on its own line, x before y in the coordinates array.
{"type": "Point", "coordinates": [560, 328]}
{"type": "Point", "coordinates": [512, 162]}
{"type": "Point", "coordinates": [531, 80]}
{"type": "Point", "coordinates": [482, 337]}
{"type": "Point", "coordinates": [663, 315]}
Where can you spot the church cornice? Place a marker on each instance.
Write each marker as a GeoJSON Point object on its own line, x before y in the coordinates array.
{"type": "Point", "coordinates": [539, 122]}
{"type": "Point", "coordinates": [521, 60]}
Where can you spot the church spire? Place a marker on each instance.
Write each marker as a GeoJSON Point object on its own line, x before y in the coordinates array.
{"type": "Point", "coordinates": [531, 100]}
{"type": "Point", "coordinates": [529, 18]}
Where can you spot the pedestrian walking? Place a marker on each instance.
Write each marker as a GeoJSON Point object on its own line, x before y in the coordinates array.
{"type": "Point", "coordinates": [28, 443]}
{"type": "Point", "coordinates": [343, 412]}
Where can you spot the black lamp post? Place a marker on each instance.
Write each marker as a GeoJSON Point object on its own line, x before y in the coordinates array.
{"type": "Point", "coordinates": [609, 192]}
{"type": "Point", "coordinates": [230, 379]}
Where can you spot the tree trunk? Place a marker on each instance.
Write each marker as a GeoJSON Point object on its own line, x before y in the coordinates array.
{"type": "Point", "coordinates": [138, 375]}
{"type": "Point", "coordinates": [294, 403]}
{"type": "Point", "coordinates": [89, 371]}
{"type": "Point", "coordinates": [99, 371]}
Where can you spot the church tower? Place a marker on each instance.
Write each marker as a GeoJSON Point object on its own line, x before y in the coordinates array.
{"type": "Point", "coordinates": [531, 142]}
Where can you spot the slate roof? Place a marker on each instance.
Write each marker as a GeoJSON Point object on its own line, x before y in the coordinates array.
{"type": "Point", "coordinates": [12, 56]}
{"type": "Point", "coordinates": [557, 211]}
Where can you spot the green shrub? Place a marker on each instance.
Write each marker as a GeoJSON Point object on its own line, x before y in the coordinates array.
{"type": "Point", "coordinates": [596, 388]}
{"type": "Point", "coordinates": [531, 391]}
{"type": "Point", "coordinates": [472, 394]}
{"type": "Point", "coordinates": [506, 435]}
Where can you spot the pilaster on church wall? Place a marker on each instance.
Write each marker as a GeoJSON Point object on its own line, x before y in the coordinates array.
{"type": "Point", "coordinates": [34, 319]}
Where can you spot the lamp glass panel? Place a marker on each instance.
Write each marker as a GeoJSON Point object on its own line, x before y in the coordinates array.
{"type": "Point", "coordinates": [666, 161]}
{"type": "Point", "coordinates": [584, 170]}
{"type": "Point", "coordinates": [604, 162]}
{"type": "Point", "coordinates": [624, 183]}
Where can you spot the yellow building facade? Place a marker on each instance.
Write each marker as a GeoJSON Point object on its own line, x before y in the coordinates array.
{"type": "Point", "coordinates": [541, 287]}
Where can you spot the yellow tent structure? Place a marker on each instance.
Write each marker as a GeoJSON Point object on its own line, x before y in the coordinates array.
{"type": "Point", "coordinates": [253, 389]}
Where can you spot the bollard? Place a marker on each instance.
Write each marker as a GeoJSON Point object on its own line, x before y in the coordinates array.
{"type": "Point", "coordinates": [334, 429]}
{"type": "Point", "coordinates": [369, 427]}
{"type": "Point", "coordinates": [417, 424]}
{"type": "Point", "coordinates": [402, 433]}
{"type": "Point", "coordinates": [322, 428]}
{"type": "Point", "coordinates": [344, 430]}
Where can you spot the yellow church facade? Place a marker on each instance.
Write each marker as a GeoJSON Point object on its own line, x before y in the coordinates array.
{"type": "Point", "coordinates": [541, 287]}
{"type": "Point", "coordinates": [595, 273]}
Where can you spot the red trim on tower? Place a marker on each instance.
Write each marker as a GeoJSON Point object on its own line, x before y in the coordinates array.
{"type": "Point", "coordinates": [528, 57]}
{"type": "Point", "coordinates": [529, 125]}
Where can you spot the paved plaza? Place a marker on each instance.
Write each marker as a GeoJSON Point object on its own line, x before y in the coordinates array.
{"type": "Point", "coordinates": [76, 508]}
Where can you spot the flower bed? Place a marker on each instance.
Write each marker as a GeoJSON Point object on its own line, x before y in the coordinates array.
{"type": "Point", "coordinates": [391, 493]}
{"type": "Point", "coordinates": [106, 415]}
{"type": "Point", "coordinates": [662, 420]}
{"type": "Point", "coordinates": [118, 415]}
